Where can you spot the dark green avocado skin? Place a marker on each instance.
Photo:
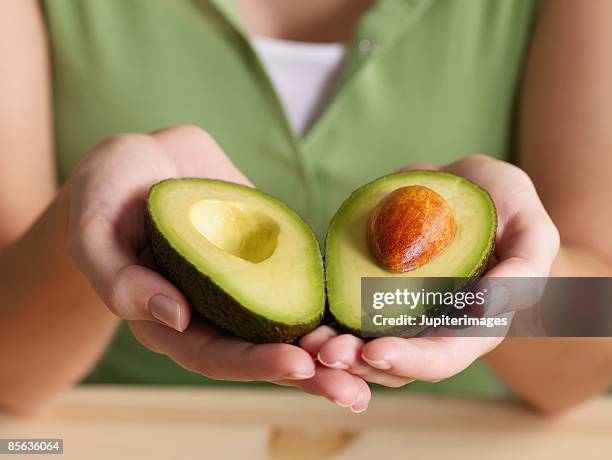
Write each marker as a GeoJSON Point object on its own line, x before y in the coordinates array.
{"type": "Point", "coordinates": [212, 302]}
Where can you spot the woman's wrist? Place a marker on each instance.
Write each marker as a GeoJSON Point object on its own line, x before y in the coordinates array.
{"type": "Point", "coordinates": [46, 307]}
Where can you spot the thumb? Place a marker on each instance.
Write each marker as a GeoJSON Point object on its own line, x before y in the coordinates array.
{"type": "Point", "coordinates": [196, 154]}
{"type": "Point", "coordinates": [512, 285]}
{"type": "Point", "coordinates": [137, 293]}
{"type": "Point", "coordinates": [420, 166]}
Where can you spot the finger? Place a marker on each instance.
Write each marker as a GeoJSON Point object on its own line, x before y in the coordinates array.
{"type": "Point", "coordinates": [313, 341]}
{"type": "Point", "coordinates": [531, 242]}
{"type": "Point", "coordinates": [196, 154]}
{"type": "Point", "coordinates": [525, 230]}
{"type": "Point", "coordinates": [511, 286]}
{"type": "Point", "coordinates": [344, 352]}
{"type": "Point", "coordinates": [421, 166]}
{"type": "Point", "coordinates": [338, 386]}
{"type": "Point", "coordinates": [363, 399]}
{"type": "Point", "coordinates": [429, 359]}
{"type": "Point", "coordinates": [207, 350]}
{"type": "Point", "coordinates": [526, 249]}
{"type": "Point", "coordinates": [130, 290]}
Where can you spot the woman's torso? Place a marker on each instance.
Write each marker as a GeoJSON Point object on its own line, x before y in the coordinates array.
{"type": "Point", "coordinates": [425, 81]}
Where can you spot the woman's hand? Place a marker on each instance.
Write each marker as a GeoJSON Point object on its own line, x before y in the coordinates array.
{"type": "Point", "coordinates": [526, 245]}
{"type": "Point", "coordinates": [107, 242]}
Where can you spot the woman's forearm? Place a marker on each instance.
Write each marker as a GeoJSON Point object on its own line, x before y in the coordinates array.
{"type": "Point", "coordinates": [52, 326]}
{"type": "Point", "coordinates": [553, 374]}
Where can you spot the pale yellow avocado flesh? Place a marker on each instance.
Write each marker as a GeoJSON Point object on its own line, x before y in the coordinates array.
{"type": "Point", "coordinates": [236, 229]}
{"type": "Point", "coordinates": [252, 246]}
{"type": "Point", "coordinates": [348, 257]}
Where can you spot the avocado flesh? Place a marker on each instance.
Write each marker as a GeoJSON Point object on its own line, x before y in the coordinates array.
{"type": "Point", "coordinates": [348, 257]}
{"type": "Point", "coordinates": [243, 259]}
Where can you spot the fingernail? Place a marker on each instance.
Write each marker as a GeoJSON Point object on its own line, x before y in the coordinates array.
{"type": "Point", "coordinates": [167, 311]}
{"type": "Point", "coordinates": [334, 365]}
{"type": "Point", "coordinates": [358, 411]}
{"type": "Point", "coordinates": [341, 404]}
{"type": "Point", "coordinates": [498, 300]}
{"type": "Point", "coordinates": [300, 376]}
{"type": "Point", "coordinates": [377, 363]}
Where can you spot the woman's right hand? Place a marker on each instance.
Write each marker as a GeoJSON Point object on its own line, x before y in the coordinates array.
{"type": "Point", "coordinates": [108, 244]}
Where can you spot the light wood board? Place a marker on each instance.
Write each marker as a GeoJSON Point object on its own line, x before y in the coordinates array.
{"type": "Point", "coordinates": [210, 423]}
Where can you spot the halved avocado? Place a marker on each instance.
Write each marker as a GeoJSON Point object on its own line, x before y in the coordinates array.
{"type": "Point", "coordinates": [243, 259]}
{"type": "Point", "coordinates": [349, 256]}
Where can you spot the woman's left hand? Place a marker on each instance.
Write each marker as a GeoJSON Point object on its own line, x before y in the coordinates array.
{"type": "Point", "coordinates": [526, 246]}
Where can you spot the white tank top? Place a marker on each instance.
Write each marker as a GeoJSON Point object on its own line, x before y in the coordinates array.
{"type": "Point", "coordinates": [304, 76]}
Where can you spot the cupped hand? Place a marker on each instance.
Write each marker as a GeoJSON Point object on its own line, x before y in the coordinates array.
{"type": "Point", "coordinates": [108, 244]}
{"type": "Point", "coordinates": [526, 245]}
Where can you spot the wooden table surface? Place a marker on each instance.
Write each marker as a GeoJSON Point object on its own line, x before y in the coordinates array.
{"type": "Point", "coordinates": [206, 423]}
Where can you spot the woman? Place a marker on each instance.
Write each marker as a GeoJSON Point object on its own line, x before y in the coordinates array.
{"type": "Point", "coordinates": [401, 82]}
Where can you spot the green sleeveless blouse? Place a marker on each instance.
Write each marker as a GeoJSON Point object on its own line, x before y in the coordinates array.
{"type": "Point", "coordinates": [425, 81]}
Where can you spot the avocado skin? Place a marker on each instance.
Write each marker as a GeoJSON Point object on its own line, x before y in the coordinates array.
{"type": "Point", "coordinates": [212, 302]}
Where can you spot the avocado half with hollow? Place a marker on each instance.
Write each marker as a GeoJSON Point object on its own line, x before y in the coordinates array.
{"type": "Point", "coordinates": [243, 259]}
{"type": "Point", "coordinates": [412, 224]}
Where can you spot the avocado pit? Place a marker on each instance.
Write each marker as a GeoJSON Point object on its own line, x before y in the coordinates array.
{"type": "Point", "coordinates": [409, 227]}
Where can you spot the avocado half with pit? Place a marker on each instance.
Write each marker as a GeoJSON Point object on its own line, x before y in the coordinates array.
{"type": "Point", "coordinates": [416, 224]}
{"type": "Point", "coordinates": [243, 259]}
